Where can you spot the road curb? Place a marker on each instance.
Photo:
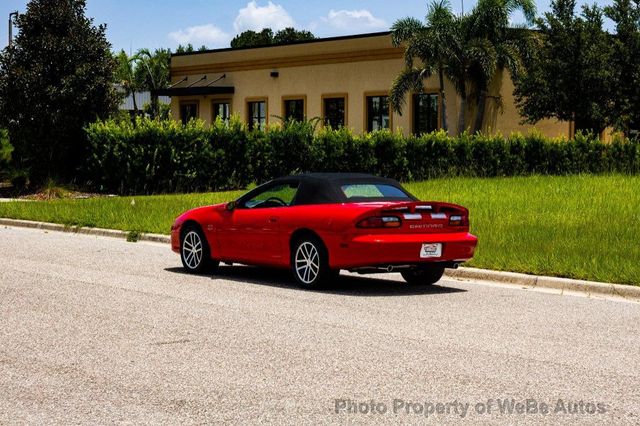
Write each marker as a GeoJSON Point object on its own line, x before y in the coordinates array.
{"type": "Point", "coordinates": [534, 281]}
{"type": "Point", "coordinates": [563, 284]}
{"type": "Point", "coordinates": [156, 238]}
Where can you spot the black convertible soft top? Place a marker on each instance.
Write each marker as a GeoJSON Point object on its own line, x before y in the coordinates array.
{"type": "Point", "coordinates": [325, 188]}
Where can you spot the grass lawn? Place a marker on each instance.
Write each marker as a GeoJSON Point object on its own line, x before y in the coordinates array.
{"type": "Point", "coordinates": [585, 227]}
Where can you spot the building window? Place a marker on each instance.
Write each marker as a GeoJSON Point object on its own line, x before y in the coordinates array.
{"type": "Point", "coordinates": [335, 112]}
{"type": "Point", "coordinates": [188, 111]}
{"type": "Point", "coordinates": [294, 109]}
{"type": "Point", "coordinates": [425, 113]}
{"type": "Point", "coordinates": [378, 116]}
{"type": "Point", "coordinates": [257, 115]}
{"type": "Point", "coordinates": [221, 109]}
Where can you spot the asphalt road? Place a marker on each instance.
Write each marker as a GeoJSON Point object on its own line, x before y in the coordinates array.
{"type": "Point", "coordinates": [96, 330]}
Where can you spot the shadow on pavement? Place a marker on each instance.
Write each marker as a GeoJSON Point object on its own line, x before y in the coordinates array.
{"type": "Point", "coordinates": [346, 285]}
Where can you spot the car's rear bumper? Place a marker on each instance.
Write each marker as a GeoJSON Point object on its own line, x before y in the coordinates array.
{"type": "Point", "coordinates": [401, 249]}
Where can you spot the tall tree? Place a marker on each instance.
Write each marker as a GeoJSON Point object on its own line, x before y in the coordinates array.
{"type": "Point", "coordinates": [445, 46]}
{"type": "Point", "coordinates": [125, 76]}
{"type": "Point", "coordinates": [266, 37]}
{"type": "Point", "coordinates": [290, 35]}
{"type": "Point", "coordinates": [251, 38]}
{"type": "Point", "coordinates": [185, 49]}
{"type": "Point", "coordinates": [431, 45]}
{"type": "Point", "coordinates": [55, 78]}
{"type": "Point", "coordinates": [503, 46]}
{"type": "Point", "coordinates": [569, 77]}
{"type": "Point", "coordinates": [152, 73]}
{"type": "Point", "coordinates": [625, 64]}
{"type": "Point", "coordinates": [5, 153]}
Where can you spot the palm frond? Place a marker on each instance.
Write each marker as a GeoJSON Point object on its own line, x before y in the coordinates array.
{"type": "Point", "coordinates": [509, 56]}
{"type": "Point", "coordinates": [405, 29]}
{"type": "Point", "coordinates": [439, 12]}
{"type": "Point", "coordinates": [527, 7]}
{"type": "Point", "coordinates": [483, 59]}
{"type": "Point", "coordinates": [408, 81]}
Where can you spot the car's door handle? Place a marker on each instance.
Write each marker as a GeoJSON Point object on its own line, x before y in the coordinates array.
{"type": "Point", "coordinates": [273, 220]}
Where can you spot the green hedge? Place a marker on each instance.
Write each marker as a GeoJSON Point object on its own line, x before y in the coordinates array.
{"type": "Point", "coordinates": [148, 156]}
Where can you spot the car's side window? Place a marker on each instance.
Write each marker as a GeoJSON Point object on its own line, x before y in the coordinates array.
{"type": "Point", "coordinates": [280, 195]}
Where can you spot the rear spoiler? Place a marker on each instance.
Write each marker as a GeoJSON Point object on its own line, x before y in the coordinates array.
{"type": "Point", "coordinates": [425, 207]}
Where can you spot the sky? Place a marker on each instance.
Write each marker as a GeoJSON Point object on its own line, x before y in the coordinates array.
{"type": "Point", "coordinates": [136, 24]}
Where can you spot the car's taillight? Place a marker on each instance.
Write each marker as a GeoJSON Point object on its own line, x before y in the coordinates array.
{"type": "Point", "coordinates": [458, 220]}
{"type": "Point", "coordinates": [380, 222]}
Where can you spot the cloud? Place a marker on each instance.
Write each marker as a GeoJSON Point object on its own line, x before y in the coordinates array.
{"type": "Point", "coordinates": [350, 21]}
{"type": "Point", "coordinates": [208, 34]}
{"type": "Point", "coordinates": [254, 17]}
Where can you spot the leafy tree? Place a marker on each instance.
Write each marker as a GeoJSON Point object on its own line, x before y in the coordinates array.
{"type": "Point", "coordinates": [569, 76]}
{"type": "Point", "coordinates": [185, 49]}
{"type": "Point", "coordinates": [625, 64]}
{"type": "Point", "coordinates": [55, 78]}
{"type": "Point", "coordinates": [251, 38]}
{"type": "Point", "coordinates": [266, 37]}
{"type": "Point", "coordinates": [5, 152]}
{"type": "Point", "coordinates": [290, 35]}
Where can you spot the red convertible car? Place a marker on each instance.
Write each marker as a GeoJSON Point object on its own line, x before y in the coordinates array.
{"type": "Point", "coordinates": [319, 223]}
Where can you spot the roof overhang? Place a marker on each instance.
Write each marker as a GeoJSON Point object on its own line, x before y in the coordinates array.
{"type": "Point", "coordinates": [196, 91]}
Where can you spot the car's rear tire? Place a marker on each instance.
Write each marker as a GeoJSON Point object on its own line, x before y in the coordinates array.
{"type": "Point", "coordinates": [310, 263]}
{"type": "Point", "coordinates": [195, 252]}
{"type": "Point", "coordinates": [423, 275]}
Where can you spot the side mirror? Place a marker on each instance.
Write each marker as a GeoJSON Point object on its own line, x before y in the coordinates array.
{"type": "Point", "coordinates": [231, 206]}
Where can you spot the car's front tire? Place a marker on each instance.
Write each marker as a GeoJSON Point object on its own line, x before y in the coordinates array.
{"type": "Point", "coordinates": [195, 252]}
{"type": "Point", "coordinates": [423, 275]}
{"type": "Point", "coordinates": [310, 263]}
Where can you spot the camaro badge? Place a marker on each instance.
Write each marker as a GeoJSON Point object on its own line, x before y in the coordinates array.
{"type": "Point", "coordinates": [427, 226]}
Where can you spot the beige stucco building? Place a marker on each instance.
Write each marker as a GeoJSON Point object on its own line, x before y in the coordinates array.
{"type": "Point", "coordinates": [343, 80]}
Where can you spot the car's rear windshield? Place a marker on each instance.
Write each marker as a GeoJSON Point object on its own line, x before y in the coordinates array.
{"type": "Point", "coordinates": [373, 192]}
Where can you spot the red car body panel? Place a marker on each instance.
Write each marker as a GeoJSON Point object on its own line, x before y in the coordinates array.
{"type": "Point", "coordinates": [263, 236]}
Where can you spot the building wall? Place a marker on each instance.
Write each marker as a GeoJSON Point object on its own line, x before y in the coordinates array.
{"type": "Point", "coordinates": [352, 67]}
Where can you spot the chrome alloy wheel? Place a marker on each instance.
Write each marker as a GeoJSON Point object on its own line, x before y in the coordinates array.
{"type": "Point", "coordinates": [192, 250]}
{"type": "Point", "coordinates": [307, 262]}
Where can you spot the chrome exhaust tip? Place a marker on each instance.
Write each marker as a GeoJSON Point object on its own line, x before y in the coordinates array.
{"type": "Point", "coordinates": [390, 268]}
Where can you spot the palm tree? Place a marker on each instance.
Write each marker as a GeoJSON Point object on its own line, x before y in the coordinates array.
{"type": "Point", "coordinates": [152, 72]}
{"type": "Point", "coordinates": [444, 45]}
{"type": "Point", "coordinates": [504, 46]}
{"type": "Point", "coordinates": [125, 76]}
{"type": "Point", "coordinates": [471, 62]}
{"type": "Point", "coordinates": [467, 50]}
{"type": "Point", "coordinates": [430, 44]}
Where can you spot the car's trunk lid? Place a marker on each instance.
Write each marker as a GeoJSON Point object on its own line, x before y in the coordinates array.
{"type": "Point", "coordinates": [421, 216]}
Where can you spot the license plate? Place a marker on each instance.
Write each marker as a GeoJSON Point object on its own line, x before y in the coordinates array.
{"type": "Point", "coordinates": [431, 250]}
